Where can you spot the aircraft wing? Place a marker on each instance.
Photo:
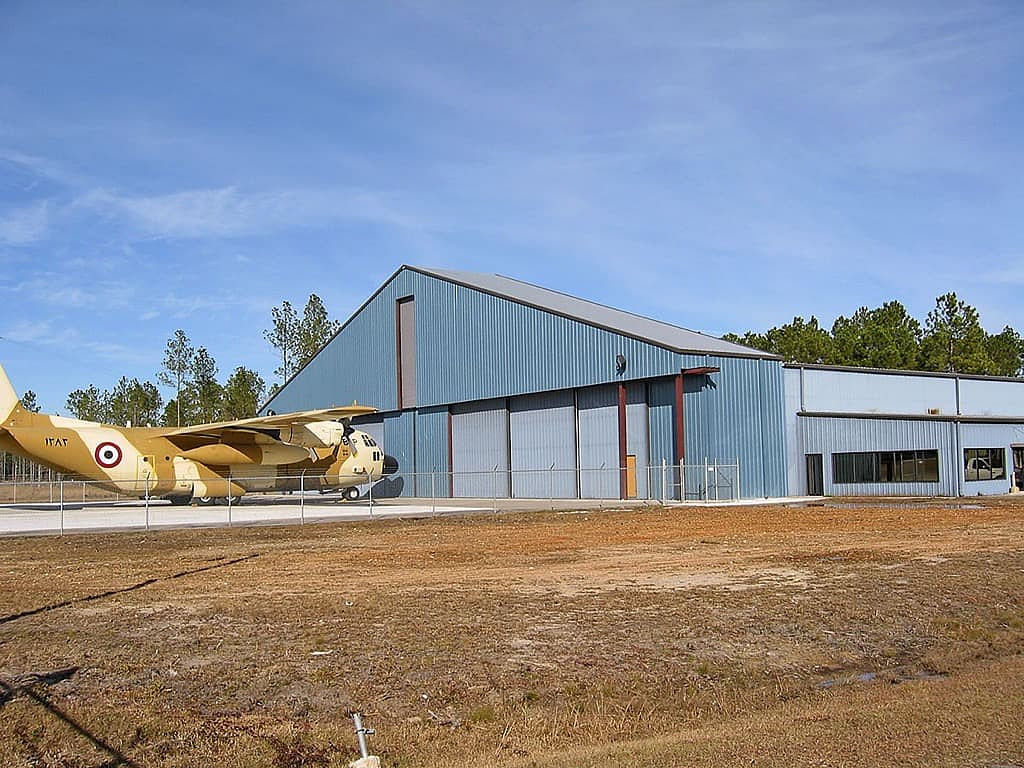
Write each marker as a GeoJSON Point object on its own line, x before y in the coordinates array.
{"type": "Point", "coordinates": [270, 423]}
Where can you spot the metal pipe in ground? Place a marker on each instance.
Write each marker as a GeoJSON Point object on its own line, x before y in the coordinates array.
{"type": "Point", "coordinates": [366, 760]}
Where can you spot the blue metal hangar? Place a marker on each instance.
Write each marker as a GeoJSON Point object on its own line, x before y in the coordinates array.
{"type": "Point", "coordinates": [489, 386]}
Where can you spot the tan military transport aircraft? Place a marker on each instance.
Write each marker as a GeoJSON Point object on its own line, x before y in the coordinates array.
{"type": "Point", "coordinates": [309, 449]}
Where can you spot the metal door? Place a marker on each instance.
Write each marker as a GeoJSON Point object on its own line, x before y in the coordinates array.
{"type": "Point", "coordinates": [1018, 466]}
{"type": "Point", "coordinates": [815, 475]}
{"type": "Point", "coordinates": [630, 476]}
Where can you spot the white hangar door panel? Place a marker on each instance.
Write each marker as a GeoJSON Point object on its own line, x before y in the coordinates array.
{"type": "Point", "coordinates": [479, 445]}
{"type": "Point", "coordinates": [543, 437]}
{"type": "Point", "coordinates": [599, 442]}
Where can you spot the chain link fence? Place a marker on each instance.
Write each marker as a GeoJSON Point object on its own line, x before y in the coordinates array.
{"type": "Point", "coordinates": [285, 497]}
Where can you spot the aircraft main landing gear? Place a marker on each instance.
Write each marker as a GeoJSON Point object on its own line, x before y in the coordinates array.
{"type": "Point", "coordinates": [351, 493]}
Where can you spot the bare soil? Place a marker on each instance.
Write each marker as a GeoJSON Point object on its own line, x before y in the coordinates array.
{"type": "Point", "coordinates": [776, 636]}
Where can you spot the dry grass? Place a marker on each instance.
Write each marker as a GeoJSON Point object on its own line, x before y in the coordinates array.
{"type": "Point", "coordinates": [778, 636]}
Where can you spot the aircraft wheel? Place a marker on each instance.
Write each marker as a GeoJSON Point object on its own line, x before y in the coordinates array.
{"type": "Point", "coordinates": [206, 501]}
{"type": "Point", "coordinates": [179, 501]}
{"type": "Point", "coordinates": [351, 494]}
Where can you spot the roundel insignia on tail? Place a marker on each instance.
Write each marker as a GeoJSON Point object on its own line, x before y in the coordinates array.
{"type": "Point", "coordinates": [108, 455]}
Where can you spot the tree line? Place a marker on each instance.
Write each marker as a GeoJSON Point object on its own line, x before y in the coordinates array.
{"type": "Point", "coordinates": [191, 374]}
{"type": "Point", "coordinates": [951, 339]}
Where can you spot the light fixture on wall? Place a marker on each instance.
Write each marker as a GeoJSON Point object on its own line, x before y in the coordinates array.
{"type": "Point", "coordinates": [620, 363]}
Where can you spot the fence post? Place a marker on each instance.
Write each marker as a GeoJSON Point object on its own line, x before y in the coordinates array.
{"type": "Point", "coordinates": [682, 480]}
{"type": "Point", "coordinates": [738, 491]}
{"type": "Point", "coordinates": [551, 485]}
{"type": "Point", "coordinates": [62, 506]}
{"type": "Point", "coordinates": [716, 479]}
{"type": "Point", "coordinates": [664, 466]}
{"type": "Point", "coordinates": [302, 498]}
{"type": "Point", "coordinates": [369, 494]}
{"type": "Point", "coordinates": [229, 497]}
{"type": "Point", "coordinates": [147, 502]}
{"type": "Point", "coordinates": [494, 488]}
{"type": "Point", "coordinates": [83, 491]}
{"type": "Point", "coordinates": [433, 505]}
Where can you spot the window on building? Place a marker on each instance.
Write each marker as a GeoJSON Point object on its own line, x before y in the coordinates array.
{"type": "Point", "coordinates": [886, 467]}
{"type": "Point", "coordinates": [984, 464]}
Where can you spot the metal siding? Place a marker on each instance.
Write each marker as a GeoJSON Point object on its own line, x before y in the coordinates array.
{"type": "Point", "coordinates": [542, 434]}
{"type": "Point", "coordinates": [432, 452]}
{"type": "Point", "coordinates": [598, 418]}
{"type": "Point", "coordinates": [479, 445]}
{"type": "Point", "coordinates": [399, 432]}
{"type": "Point", "coordinates": [736, 415]}
{"type": "Point", "coordinates": [838, 435]}
{"type": "Point", "coordinates": [660, 414]}
{"type": "Point", "coordinates": [989, 436]}
{"type": "Point", "coordinates": [670, 336]}
{"type": "Point", "coordinates": [853, 392]}
{"type": "Point", "coordinates": [475, 346]}
{"type": "Point", "coordinates": [469, 346]}
{"type": "Point", "coordinates": [796, 467]}
{"type": "Point", "coordinates": [991, 398]}
{"type": "Point", "coordinates": [773, 428]}
{"type": "Point", "coordinates": [638, 435]}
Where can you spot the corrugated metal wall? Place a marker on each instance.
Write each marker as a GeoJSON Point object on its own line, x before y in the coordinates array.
{"type": "Point", "coordinates": [599, 441]}
{"type": "Point", "coordinates": [638, 434]}
{"type": "Point", "coordinates": [469, 346]}
{"type": "Point", "coordinates": [796, 466]}
{"type": "Point", "coordinates": [841, 435]}
{"type": "Point", "coordinates": [432, 452]}
{"type": "Point", "coordinates": [542, 433]}
{"type": "Point", "coordinates": [661, 417]}
{"type": "Point", "coordinates": [736, 414]}
{"type": "Point", "coordinates": [479, 445]}
{"type": "Point", "coordinates": [400, 442]}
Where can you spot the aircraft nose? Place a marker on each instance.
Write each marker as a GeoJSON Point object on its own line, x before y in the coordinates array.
{"type": "Point", "coordinates": [390, 465]}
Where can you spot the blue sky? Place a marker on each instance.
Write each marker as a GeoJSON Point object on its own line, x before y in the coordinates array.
{"type": "Point", "coordinates": [723, 166]}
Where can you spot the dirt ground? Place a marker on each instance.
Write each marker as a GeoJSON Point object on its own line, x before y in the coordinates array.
{"type": "Point", "coordinates": [775, 636]}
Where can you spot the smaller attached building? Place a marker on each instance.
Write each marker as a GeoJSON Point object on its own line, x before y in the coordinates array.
{"type": "Point", "coordinates": [855, 431]}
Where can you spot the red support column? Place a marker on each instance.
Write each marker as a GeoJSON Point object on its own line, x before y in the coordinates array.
{"type": "Point", "coordinates": [622, 441]}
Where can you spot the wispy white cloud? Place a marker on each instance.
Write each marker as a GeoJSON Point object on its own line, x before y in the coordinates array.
{"type": "Point", "coordinates": [44, 333]}
{"type": "Point", "coordinates": [25, 224]}
{"type": "Point", "coordinates": [230, 212]}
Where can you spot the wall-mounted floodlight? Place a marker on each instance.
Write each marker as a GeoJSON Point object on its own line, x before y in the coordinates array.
{"type": "Point", "coordinates": [620, 363]}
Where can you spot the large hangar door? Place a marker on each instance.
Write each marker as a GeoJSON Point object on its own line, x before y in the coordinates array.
{"type": "Point", "coordinates": [479, 444]}
{"type": "Point", "coordinates": [599, 442]}
{"type": "Point", "coordinates": [543, 435]}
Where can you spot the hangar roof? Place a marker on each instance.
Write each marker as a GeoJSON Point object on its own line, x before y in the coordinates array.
{"type": "Point", "coordinates": [615, 320]}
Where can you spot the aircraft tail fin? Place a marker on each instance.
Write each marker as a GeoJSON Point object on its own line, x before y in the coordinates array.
{"type": "Point", "coordinates": [8, 397]}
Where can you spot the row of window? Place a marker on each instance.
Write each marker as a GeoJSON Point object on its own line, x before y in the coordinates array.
{"type": "Point", "coordinates": [886, 467]}
{"type": "Point", "coordinates": [914, 466]}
